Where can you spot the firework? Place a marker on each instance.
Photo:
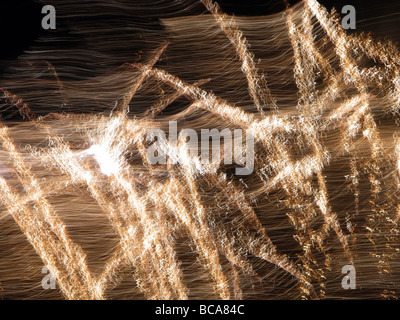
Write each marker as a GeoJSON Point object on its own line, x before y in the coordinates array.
{"type": "Point", "coordinates": [80, 195]}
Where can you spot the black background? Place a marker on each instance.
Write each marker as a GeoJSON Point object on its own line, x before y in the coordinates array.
{"type": "Point", "coordinates": [20, 20]}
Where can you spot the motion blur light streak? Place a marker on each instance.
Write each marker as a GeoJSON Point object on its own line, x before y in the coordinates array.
{"type": "Point", "coordinates": [322, 105]}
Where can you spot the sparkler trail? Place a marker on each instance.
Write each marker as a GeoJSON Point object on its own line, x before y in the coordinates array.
{"type": "Point", "coordinates": [322, 106]}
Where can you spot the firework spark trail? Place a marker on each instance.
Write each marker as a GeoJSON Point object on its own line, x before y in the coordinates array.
{"type": "Point", "coordinates": [163, 103]}
{"type": "Point", "coordinates": [163, 257]}
{"type": "Point", "coordinates": [213, 261]}
{"type": "Point", "coordinates": [117, 261]}
{"type": "Point", "coordinates": [386, 53]}
{"type": "Point", "coordinates": [305, 81]}
{"type": "Point", "coordinates": [339, 39]}
{"type": "Point", "coordinates": [164, 250]}
{"type": "Point", "coordinates": [239, 199]}
{"type": "Point", "coordinates": [152, 244]}
{"type": "Point", "coordinates": [210, 101]}
{"type": "Point", "coordinates": [304, 168]}
{"type": "Point", "coordinates": [257, 84]}
{"type": "Point", "coordinates": [22, 106]}
{"type": "Point", "coordinates": [369, 126]}
{"type": "Point", "coordinates": [129, 95]}
{"type": "Point", "coordinates": [131, 241]}
{"type": "Point", "coordinates": [33, 189]}
{"type": "Point", "coordinates": [341, 42]}
{"type": "Point", "coordinates": [175, 273]}
{"type": "Point", "coordinates": [303, 70]}
{"type": "Point", "coordinates": [199, 230]}
{"type": "Point", "coordinates": [59, 82]}
{"type": "Point", "coordinates": [266, 253]}
{"type": "Point", "coordinates": [36, 234]}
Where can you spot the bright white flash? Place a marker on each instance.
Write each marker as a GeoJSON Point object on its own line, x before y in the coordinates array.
{"type": "Point", "coordinates": [103, 157]}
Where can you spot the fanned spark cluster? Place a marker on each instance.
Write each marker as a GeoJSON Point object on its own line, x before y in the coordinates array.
{"type": "Point", "coordinates": [323, 194]}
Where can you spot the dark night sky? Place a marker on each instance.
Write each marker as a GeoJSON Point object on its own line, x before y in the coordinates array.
{"type": "Point", "coordinates": [20, 20]}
